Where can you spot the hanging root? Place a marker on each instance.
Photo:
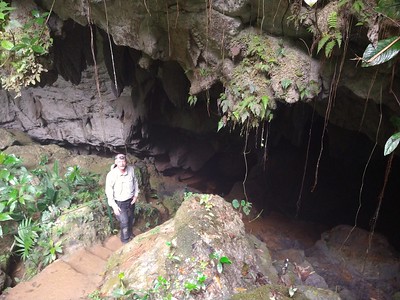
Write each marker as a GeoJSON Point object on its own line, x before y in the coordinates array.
{"type": "Point", "coordinates": [245, 162]}
{"type": "Point", "coordinates": [366, 100]}
{"type": "Point", "coordinates": [111, 48]}
{"type": "Point", "coordinates": [332, 97]}
{"type": "Point", "coordinates": [298, 203]}
{"type": "Point", "coordinates": [96, 71]}
{"type": "Point", "coordinates": [378, 208]}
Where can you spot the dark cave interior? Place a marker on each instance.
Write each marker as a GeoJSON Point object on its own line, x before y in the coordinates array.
{"type": "Point", "coordinates": [339, 181]}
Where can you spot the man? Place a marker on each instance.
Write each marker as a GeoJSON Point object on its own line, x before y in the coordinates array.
{"type": "Point", "coordinates": [122, 191]}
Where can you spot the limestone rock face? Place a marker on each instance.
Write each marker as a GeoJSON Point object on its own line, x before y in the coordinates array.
{"type": "Point", "coordinates": [151, 57]}
{"type": "Point", "coordinates": [370, 261]}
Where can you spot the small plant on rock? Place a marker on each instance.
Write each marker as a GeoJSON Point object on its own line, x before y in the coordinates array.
{"type": "Point", "coordinates": [221, 261]}
{"type": "Point", "coordinates": [205, 200]}
{"type": "Point", "coordinates": [194, 286]}
{"type": "Point", "coordinates": [242, 205]}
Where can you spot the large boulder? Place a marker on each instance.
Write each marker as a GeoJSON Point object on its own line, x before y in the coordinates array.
{"type": "Point", "coordinates": [192, 252]}
{"type": "Point", "coordinates": [202, 253]}
{"type": "Point", "coordinates": [353, 259]}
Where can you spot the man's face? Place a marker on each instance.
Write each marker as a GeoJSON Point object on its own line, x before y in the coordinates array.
{"type": "Point", "coordinates": [120, 161]}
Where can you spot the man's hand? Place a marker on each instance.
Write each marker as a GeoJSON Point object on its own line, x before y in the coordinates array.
{"type": "Point", "coordinates": [116, 209]}
{"type": "Point", "coordinates": [134, 199]}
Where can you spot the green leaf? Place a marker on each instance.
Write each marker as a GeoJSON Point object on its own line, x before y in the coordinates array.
{"type": "Point", "coordinates": [265, 101]}
{"type": "Point", "coordinates": [5, 217]}
{"type": "Point", "coordinates": [235, 203]}
{"type": "Point", "coordinates": [35, 13]}
{"type": "Point", "coordinates": [18, 47]}
{"type": "Point", "coordinates": [220, 124]}
{"type": "Point", "coordinates": [332, 20]}
{"type": "Point", "coordinates": [329, 47]}
{"type": "Point", "coordinates": [118, 292]}
{"type": "Point", "coordinates": [392, 143]}
{"type": "Point", "coordinates": [225, 260]}
{"type": "Point", "coordinates": [7, 45]}
{"type": "Point", "coordinates": [384, 51]}
{"type": "Point", "coordinates": [219, 268]}
{"type": "Point", "coordinates": [322, 42]}
{"type": "Point", "coordinates": [339, 37]}
{"type": "Point", "coordinates": [389, 8]}
{"type": "Point", "coordinates": [26, 40]}
{"type": "Point", "coordinates": [285, 83]}
{"type": "Point", "coordinates": [5, 174]}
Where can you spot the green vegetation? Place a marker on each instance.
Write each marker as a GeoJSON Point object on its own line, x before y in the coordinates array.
{"type": "Point", "coordinates": [192, 100]}
{"type": "Point", "coordinates": [242, 205]}
{"type": "Point", "coordinates": [34, 200]}
{"type": "Point", "coordinates": [150, 214]}
{"type": "Point", "coordinates": [246, 100]}
{"type": "Point", "coordinates": [332, 37]}
{"type": "Point", "coordinates": [220, 261]}
{"type": "Point", "coordinates": [162, 287]}
{"type": "Point", "coordinates": [384, 51]}
{"type": "Point", "coordinates": [21, 46]}
{"type": "Point", "coordinates": [205, 200]}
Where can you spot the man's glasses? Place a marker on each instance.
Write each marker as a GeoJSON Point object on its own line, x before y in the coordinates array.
{"type": "Point", "coordinates": [120, 157]}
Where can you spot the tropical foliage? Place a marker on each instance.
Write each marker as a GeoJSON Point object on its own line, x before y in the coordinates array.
{"type": "Point", "coordinates": [386, 50]}
{"type": "Point", "coordinates": [33, 200]}
{"type": "Point", "coordinates": [22, 43]}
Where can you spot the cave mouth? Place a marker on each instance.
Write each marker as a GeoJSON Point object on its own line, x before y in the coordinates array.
{"type": "Point", "coordinates": [341, 183]}
{"type": "Point", "coordinates": [332, 182]}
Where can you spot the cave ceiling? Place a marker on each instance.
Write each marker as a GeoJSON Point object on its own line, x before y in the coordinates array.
{"type": "Point", "coordinates": [122, 68]}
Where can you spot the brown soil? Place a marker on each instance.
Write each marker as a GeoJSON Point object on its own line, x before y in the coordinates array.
{"type": "Point", "coordinates": [70, 278]}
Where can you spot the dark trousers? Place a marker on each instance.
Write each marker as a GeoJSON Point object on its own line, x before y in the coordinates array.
{"type": "Point", "coordinates": [126, 218]}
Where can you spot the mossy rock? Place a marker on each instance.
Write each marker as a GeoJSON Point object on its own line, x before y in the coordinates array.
{"type": "Point", "coordinates": [287, 293]}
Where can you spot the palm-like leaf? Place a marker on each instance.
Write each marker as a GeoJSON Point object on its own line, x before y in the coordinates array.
{"type": "Point", "coordinates": [26, 238]}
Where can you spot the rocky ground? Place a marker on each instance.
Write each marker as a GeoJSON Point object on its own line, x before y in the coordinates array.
{"type": "Point", "coordinates": [314, 260]}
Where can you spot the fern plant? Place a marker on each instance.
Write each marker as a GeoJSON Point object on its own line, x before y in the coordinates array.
{"type": "Point", "coordinates": [331, 38]}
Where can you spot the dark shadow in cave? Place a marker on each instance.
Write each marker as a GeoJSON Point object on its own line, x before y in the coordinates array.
{"type": "Point", "coordinates": [275, 185]}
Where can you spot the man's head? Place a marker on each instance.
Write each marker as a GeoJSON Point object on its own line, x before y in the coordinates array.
{"type": "Point", "coordinates": [120, 161]}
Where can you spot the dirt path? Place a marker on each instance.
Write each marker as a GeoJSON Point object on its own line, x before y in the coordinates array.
{"type": "Point", "coordinates": [71, 277]}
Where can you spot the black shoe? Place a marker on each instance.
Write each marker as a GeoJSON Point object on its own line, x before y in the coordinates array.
{"type": "Point", "coordinates": [128, 240]}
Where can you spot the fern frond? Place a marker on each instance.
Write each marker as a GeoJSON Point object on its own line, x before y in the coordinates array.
{"type": "Point", "coordinates": [333, 20]}
{"type": "Point", "coordinates": [339, 37]}
{"type": "Point", "coordinates": [329, 48]}
{"type": "Point", "coordinates": [322, 42]}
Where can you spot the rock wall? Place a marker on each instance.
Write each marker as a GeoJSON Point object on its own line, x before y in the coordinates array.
{"type": "Point", "coordinates": [166, 52]}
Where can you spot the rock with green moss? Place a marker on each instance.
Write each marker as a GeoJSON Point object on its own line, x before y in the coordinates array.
{"type": "Point", "coordinates": [287, 293]}
{"type": "Point", "coordinates": [202, 253]}
{"type": "Point", "coordinates": [83, 225]}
